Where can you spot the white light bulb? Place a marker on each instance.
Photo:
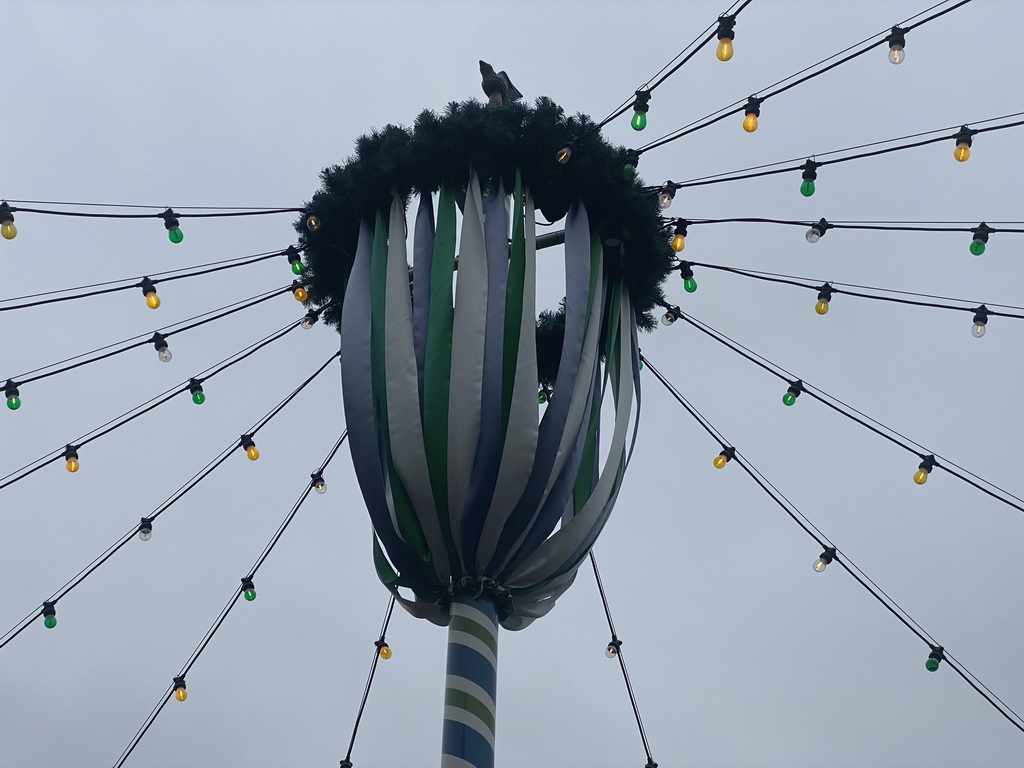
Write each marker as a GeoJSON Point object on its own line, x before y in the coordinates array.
{"type": "Point", "coordinates": [812, 235]}
{"type": "Point", "coordinates": [307, 323]}
{"type": "Point", "coordinates": [668, 318]}
{"type": "Point", "coordinates": [897, 54]}
{"type": "Point", "coordinates": [320, 487]}
{"type": "Point", "coordinates": [664, 200]}
{"type": "Point", "coordinates": [611, 651]}
{"type": "Point", "coordinates": [146, 535]}
{"type": "Point", "coordinates": [978, 330]}
{"type": "Point", "coordinates": [164, 355]}
{"type": "Point", "coordinates": [820, 565]}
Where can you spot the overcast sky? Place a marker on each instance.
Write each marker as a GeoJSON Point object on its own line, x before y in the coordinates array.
{"type": "Point", "coordinates": [739, 653]}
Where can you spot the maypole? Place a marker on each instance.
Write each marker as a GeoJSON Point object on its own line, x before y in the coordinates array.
{"type": "Point", "coordinates": [474, 427]}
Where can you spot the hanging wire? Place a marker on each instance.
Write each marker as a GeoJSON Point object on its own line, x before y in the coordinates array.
{"type": "Point", "coordinates": [892, 226]}
{"type": "Point", "coordinates": [858, 575]}
{"type": "Point", "coordinates": [97, 215]}
{"type": "Point", "coordinates": [369, 682]}
{"type": "Point", "coordinates": [171, 500]}
{"type": "Point", "coordinates": [194, 657]}
{"type": "Point", "coordinates": [622, 661]}
{"type": "Point", "coordinates": [733, 109]}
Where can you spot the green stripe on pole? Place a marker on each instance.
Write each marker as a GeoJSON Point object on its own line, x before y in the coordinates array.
{"type": "Point", "coordinates": [471, 704]}
{"type": "Point", "coordinates": [470, 627]}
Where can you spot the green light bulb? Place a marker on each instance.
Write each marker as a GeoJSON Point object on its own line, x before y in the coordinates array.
{"type": "Point", "coordinates": [977, 247]}
{"type": "Point", "coordinates": [542, 397]}
{"type": "Point", "coordinates": [249, 594]}
{"type": "Point", "coordinates": [174, 235]}
{"type": "Point", "coordinates": [807, 187]}
{"type": "Point", "coordinates": [641, 365]}
{"type": "Point", "coordinates": [931, 665]}
{"type": "Point", "coordinates": [689, 285]}
{"type": "Point", "coordinates": [639, 121]}
{"type": "Point", "coordinates": [788, 399]}
{"type": "Point", "coordinates": [14, 402]}
{"type": "Point", "coordinates": [50, 622]}
{"type": "Point", "coordinates": [629, 172]}
{"type": "Point", "coordinates": [198, 398]}
{"type": "Point", "coordinates": [298, 267]}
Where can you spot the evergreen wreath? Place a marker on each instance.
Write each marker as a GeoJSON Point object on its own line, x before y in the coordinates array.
{"type": "Point", "coordinates": [495, 140]}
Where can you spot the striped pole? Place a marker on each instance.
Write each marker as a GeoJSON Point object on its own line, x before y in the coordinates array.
{"type": "Point", "coordinates": [469, 695]}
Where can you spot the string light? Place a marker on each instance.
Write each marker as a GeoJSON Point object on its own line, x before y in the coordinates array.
{"type": "Point", "coordinates": [295, 260]}
{"type": "Point", "coordinates": [544, 394]}
{"type": "Point", "coordinates": [981, 233]}
{"type": "Point", "coordinates": [934, 658]}
{"type": "Point", "coordinates": [317, 481]}
{"type": "Point", "coordinates": [817, 230]}
{"type": "Point", "coordinates": [924, 469]}
{"type": "Point", "coordinates": [980, 321]}
{"type": "Point", "coordinates": [824, 296]}
{"type": "Point", "coordinates": [824, 559]}
{"type": "Point", "coordinates": [666, 195]}
{"type": "Point", "coordinates": [564, 155]}
{"type": "Point", "coordinates": [383, 649]}
{"type": "Point", "coordinates": [249, 446]}
{"type": "Point", "coordinates": [12, 395]}
{"type": "Point", "coordinates": [248, 590]}
{"type": "Point", "coordinates": [160, 344]}
{"type": "Point", "coordinates": [614, 645]}
{"type": "Point", "coordinates": [145, 529]}
{"type": "Point", "coordinates": [312, 224]}
{"type": "Point", "coordinates": [750, 114]}
{"type": "Point", "coordinates": [171, 225]}
{"type": "Point", "coordinates": [49, 615]}
{"type": "Point", "coordinates": [795, 388]}
{"type": "Point", "coordinates": [686, 272]}
{"type": "Point", "coordinates": [725, 35]}
{"type": "Point", "coordinates": [727, 455]}
{"type": "Point", "coordinates": [309, 320]}
{"type": "Point", "coordinates": [640, 106]}
{"type": "Point", "coordinates": [672, 313]}
{"type": "Point", "coordinates": [196, 390]}
{"type": "Point", "coordinates": [149, 291]}
{"type": "Point", "coordinates": [632, 160]}
{"type": "Point", "coordinates": [71, 458]}
{"type": "Point", "coordinates": [299, 291]}
{"type": "Point", "coordinates": [678, 242]}
{"type": "Point", "coordinates": [897, 41]}
{"type": "Point", "coordinates": [964, 139]}
{"type": "Point", "coordinates": [7, 228]}
{"type": "Point", "coordinates": [810, 173]}
{"type": "Point", "coordinates": [179, 688]}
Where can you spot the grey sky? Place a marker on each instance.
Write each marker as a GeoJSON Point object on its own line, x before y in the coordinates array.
{"type": "Point", "coordinates": [740, 654]}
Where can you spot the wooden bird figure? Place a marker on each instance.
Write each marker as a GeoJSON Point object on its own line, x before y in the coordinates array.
{"type": "Point", "coordinates": [497, 86]}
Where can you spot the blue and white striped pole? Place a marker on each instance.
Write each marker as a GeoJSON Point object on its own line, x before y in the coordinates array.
{"type": "Point", "coordinates": [470, 686]}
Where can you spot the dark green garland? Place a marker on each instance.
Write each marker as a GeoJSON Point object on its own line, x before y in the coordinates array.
{"type": "Point", "coordinates": [494, 140]}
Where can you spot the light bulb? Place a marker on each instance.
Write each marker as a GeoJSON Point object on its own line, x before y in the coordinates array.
{"type": "Point", "coordinates": [312, 224]}
{"type": "Point", "coordinates": [300, 294]}
{"type": "Point", "coordinates": [721, 459]}
{"type": "Point", "coordinates": [49, 615]}
{"type": "Point", "coordinates": [164, 355]}
{"type": "Point", "coordinates": [385, 651]}
{"type": "Point", "coordinates": [72, 465]}
{"type": "Point", "coordinates": [298, 267]}
{"type": "Point", "coordinates": [152, 300]}
{"type": "Point", "coordinates": [320, 486]}
{"type": "Point", "coordinates": [896, 54]}
{"type": "Point", "coordinates": [821, 307]}
{"type": "Point", "coordinates": [308, 321]}
{"type": "Point", "coordinates": [611, 651]}
{"type": "Point", "coordinates": [8, 230]}
{"type": "Point", "coordinates": [820, 565]}
{"type": "Point", "coordinates": [180, 693]}
{"type": "Point", "coordinates": [564, 155]}
{"type": "Point", "coordinates": [750, 122]}
{"type": "Point", "coordinates": [689, 285]}
{"type": "Point", "coordinates": [71, 457]}
{"type": "Point", "coordinates": [252, 452]}
{"type": "Point", "coordinates": [668, 318]}
{"type": "Point", "coordinates": [14, 402]}
{"type": "Point", "coordinates": [921, 477]}
{"type": "Point", "coordinates": [11, 393]}
{"type": "Point", "coordinates": [724, 50]}
{"type": "Point", "coordinates": [813, 235]}
{"type": "Point", "coordinates": [962, 152]}
{"type": "Point", "coordinates": [807, 187]}
{"type": "Point", "coordinates": [978, 330]}
{"type": "Point", "coordinates": [639, 121]}
{"type": "Point", "coordinates": [678, 243]}
{"type": "Point", "coordinates": [249, 594]}
{"type": "Point", "coordinates": [788, 399]}
{"type": "Point", "coordinates": [175, 236]}
{"type": "Point", "coordinates": [145, 534]}
{"type": "Point", "coordinates": [198, 397]}
{"type": "Point", "coordinates": [977, 248]}
{"type": "Point", "coordinates": [932, 664]}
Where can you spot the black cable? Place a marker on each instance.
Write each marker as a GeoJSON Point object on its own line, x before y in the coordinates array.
{"type": "Point", "coordinates": [160, 207]}
{"type": "Point", "coordinates": [877, 226]}
{"type": "Point", "coordinates": [810, 285]}
{"type": "Point", "coordinates": [710, 120]}
{"type": "Point", "coordinates": [887, 602]}
{"type": "Point", "coordinates": [194, 657]}
{"type": "Point", "coordinates": [18, 628]}
{"type": "Point", "coordinates": [178, 214]}
{"type": "Point", "coordinates": [143, 339]}
{"type": "Point", "coordinates": [865, 421]}
{"type": "Point", "coordinates": [369, 679]}
{"type": "Point", "coordinates": [622, 661]}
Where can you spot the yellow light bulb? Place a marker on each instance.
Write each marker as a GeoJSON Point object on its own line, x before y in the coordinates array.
{"type": "Point", "coordinates": [821, 307]}
{"type": "Point", "coordinates": [72, 465]}
{"type": "Point", "coordinates": [678, 243]}
{"type": "Point", "coordinates": [750, 123]}
{"type": "Point", "coordinates": [724, 50]}
{"type": "Point", "coordinates": [385, 652]}
{"type": "Point", "coordinates": [300, 294]}
{"type": "Point", "coordinates": [960, 154]}
{"type": "Point", "coordinates": [252, 452]}
{"type": "Point", "coordinates": [180, 694]}
{"type": "Point", "coordinates": [8, 230]}
{"type": "Point", "coordinates": [720, 461]}
{"type": "Point", "coordinates": [152, 300]}
{"type": "Point", "coordinates": [920, 477]}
